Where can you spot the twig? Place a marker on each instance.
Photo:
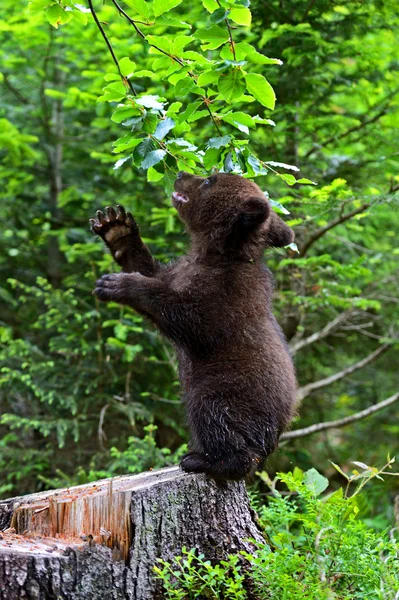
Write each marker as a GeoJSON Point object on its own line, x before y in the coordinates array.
{"type": "Point", "coordinates": [315, 385]}
{"type": "Point", "coordinates": [290, 435]}
{"type": "Point", "coordinates": [362, 124]}
{"type": "Point", "coordinates": [100, 27]}
{"type": "Point", "coordinates": [318, 335]}
{"type": "Point", "coordinates": [100, 431]}
{"type": "Point", "coordinates": [14, 90]}
{"type": "Point", "coordinates": [341, 219]}
{"type": "Point", "coordinates": [230, 34]}
{"type": "Point", "coordinates": [142, 35]}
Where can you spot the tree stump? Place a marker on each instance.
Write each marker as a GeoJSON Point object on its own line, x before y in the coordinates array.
{"type": "Point", "coordinates": [102, 540]}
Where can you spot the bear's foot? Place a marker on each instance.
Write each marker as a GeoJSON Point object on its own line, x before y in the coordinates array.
{"type": "Point", "coordinates": [233, 467]}
{"type": "Point", "coordinates": [193, 462]}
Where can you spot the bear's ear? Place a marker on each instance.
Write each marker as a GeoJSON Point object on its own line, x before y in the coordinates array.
{"type": "Point", "coordinates": [278, 233]}
{"type": "Point", "coordinates": [253, 212]}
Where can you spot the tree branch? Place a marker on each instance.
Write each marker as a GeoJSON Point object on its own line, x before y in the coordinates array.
{"type": "Point", "coordinates": [319, 335]}
{"type": "Point", "coordinates": [291, 435]}
{"type": "Point", "coordinates": [315, 385]}
{"type": "Point", "coordinates": [100, 27]}
{"type": "Point", "coordinates": [361, 125]}
{"type": "Point", "coordinates": [338, 221]}
{"type": "Point", "coordinates": [14, 90]}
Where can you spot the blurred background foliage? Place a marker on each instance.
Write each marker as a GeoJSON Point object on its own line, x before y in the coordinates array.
{"type": "Point", "coordinates": [90, 390]}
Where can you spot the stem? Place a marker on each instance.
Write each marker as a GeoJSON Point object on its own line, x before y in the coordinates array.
{"type": "Point", "coordinates": [100, 27]}
{"type": "Point", "coordinates": [230, 33]}
{"type": "Point", "coordinates": [212, 117]}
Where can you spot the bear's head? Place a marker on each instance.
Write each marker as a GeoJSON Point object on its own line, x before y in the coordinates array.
{"type": "Point", "coordinates": [228, 214]}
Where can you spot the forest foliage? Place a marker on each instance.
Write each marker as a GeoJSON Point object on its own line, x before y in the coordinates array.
{"type": "Point", "coordinates": [301, 96]}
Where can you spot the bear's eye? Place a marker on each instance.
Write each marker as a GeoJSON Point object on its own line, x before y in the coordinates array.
{"type": "Point", "coordinates": [209, 181]}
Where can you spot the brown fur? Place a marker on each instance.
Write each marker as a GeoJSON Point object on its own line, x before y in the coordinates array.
{"type": "Point", "coordinates": [215, 305]}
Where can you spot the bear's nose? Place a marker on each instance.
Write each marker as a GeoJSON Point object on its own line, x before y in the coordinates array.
{"type": "Point", "coordinates": [180, 174]}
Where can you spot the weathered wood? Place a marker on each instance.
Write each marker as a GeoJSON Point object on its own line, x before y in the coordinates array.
{"type": "Point", "coordinates": [101, 540]}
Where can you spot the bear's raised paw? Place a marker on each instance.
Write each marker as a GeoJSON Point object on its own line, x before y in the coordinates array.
{"type": "Point", "coordinates": [114, 224]}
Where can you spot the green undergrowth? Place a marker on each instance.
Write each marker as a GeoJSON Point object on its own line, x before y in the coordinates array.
{"type": "Point", "coordinates": [318, 547]}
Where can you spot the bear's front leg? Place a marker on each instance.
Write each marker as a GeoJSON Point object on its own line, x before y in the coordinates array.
{"type": "Point", "coordinates": [147, 295]}
{"type": "Point", "coordinates": [121, 234]}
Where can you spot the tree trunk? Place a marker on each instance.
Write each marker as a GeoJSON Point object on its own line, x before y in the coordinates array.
{"type": "Point", "coordinates": [101, 540]}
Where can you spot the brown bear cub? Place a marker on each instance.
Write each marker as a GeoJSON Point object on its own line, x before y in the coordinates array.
{"type": "Point", "coordinates": [214, 304]}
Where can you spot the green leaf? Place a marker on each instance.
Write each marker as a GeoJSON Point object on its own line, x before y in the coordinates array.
{"type": "Point", "coordinates": [112, 77]}
{"type": "Point", "coordinates": [261, 90]}
{"type": "Point", "coordinates": [240, 120]}
{"type": "Point", "coordinates": [315, 482]}
{"type": "Point", "coordinates": [279, 207]}
{"type": "Point", "coordinates": [231, 84]}
{"type": "Point", "coordinates": [174, 108]}
{"type": "Point", "coordinates": [163, 128]}
{"type": "Point", "coordinates": [199, 114]}
{"type": "Point", "coordinates": [114, 92]}
{"type": "Point", "coordinates": [304, 180]}
{"type": "Point", "coordinates": [126, 66]}
{"type": "Point", "coordinates": [219, 15]}
{"type": "Point", "coordinates": [162, 6]}
{"type": "Point", "coordinates": [254, 167]}
{"type": "Point", "coordinates": [153, 175]}
{"type": "Point", "coordinates": [228, 163]}
{"type": "Point", "coordinates": [191, 108]}
{"type": "Point", "coordinates": [150, 102]}
{"type": "Point", "coordinates": [124, 112]}
{"type": "Point", "coordinates": [78, 15]}
{"type": "Point", "coordinates": [219, 142]}
{"type": "Point", "coordinates": [164, 43]}
{"type": "Point", "coordinates": [145, 147]}
{"type": "Point", "coordinates": [56, 15]}
{"type": "Point", "coordinates": [184, 86]}
{"type": "Point", "coordinates": [258, 120]}
{"type": "Point", "coordinates": [38, 5]}
{"type": "Point", "coordinates": [161, 63]}
{"type": "Point", "coordinates": [280, 164]}
{"type": "Point", "coordinates": [150, 122]}
{"type": "Point", "coordinates": [241, 16]}
{"type": "Point", "coordinates": [290, 179]}
{"type": "Point", "coordinates": [152, 158]}
{"type": "Point", "coordinates": [212, 37]}
{"type": "Point", "coordinates": [207, 77]}
{"type": "Point", "coordinates": [126, 142]}
{"type": "Point", "coordinates": [210, 5]}
{"type": "Point", "coordinates": [120, 162]}
{"type": "Point", "coordinates": [197, 57]}
{"type": "Point", "coordinates": [180, 42]}
{"type": "Point", "coordinates": [140, 7]}
{"type": "Point", "coordinates": [211, 158]}
{"type": "Point", "coordinates": [144, 73]}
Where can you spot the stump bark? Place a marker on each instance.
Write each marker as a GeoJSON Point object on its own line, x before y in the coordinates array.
{"type": "Point", "coordinates": [102, 540]}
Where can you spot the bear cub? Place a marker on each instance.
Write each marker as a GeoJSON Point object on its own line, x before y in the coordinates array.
{"type": "Point", "coordinates": [214, 304]}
